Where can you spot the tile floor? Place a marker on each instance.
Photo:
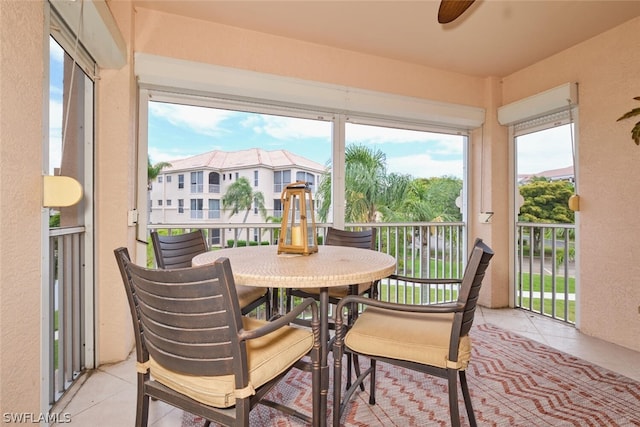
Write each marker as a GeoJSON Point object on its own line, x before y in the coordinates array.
{"type": "Point", "coordinates": [106, 397]}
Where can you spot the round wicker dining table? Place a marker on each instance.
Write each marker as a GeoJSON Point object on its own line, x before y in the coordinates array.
{"type": "Point", "coordinates": [330, 266]}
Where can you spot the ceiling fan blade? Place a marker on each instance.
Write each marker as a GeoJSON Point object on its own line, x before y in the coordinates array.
{"type": "Point", "coordinates": [451, 9]}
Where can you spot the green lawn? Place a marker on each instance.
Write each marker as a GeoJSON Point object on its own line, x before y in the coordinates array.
{"type": "Point", "coordinates": [528, 280]}
{"type": "Point", "coordinates": [548, 308]}
{"type": "Point", "coordinates": [533, 282]}
{"type": "Point", "coordinates": [404, 294]}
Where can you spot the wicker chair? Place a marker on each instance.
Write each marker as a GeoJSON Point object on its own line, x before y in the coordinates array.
{"type": "Point", "coordinates": [196, 352]}
{"type": "Point", "coordinates": [177, 251]}
{"type": "Point", "coordinates": [433, 339]}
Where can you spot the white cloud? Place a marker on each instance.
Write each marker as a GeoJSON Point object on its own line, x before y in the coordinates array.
{"type": "Point", "coordinates": [544, 150]}
{"type": "Point", "coordinates": [55, 135]}
{"type": "Point", "coordinates": [424, 166]}
{"type": "Point", "coordinates": [205, 121]}
{"type": "Point", "coordinates": [287, 128]}
{"type": "Point", "coordinates": [377, 134]}
{"type": "Point", "coordinates": [56, 52]}
{"type": "Point", "coordinates": [173, 153]}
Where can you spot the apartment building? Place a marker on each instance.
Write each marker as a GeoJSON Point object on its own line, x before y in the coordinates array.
{"type": "Point", "coordinates": [192, 189]}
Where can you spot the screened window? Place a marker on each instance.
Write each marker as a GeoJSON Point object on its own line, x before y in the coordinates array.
{"type": "Point", "coordinates": [277, 208]}
{"type": "Point", "coordinates": [280, 180]}
{"type": "Point", "coordinates": [197, 182]}
{"type": "Point", "coordinates": [214, 182]}
{"type": "Point", "coordinates": [214, 208]}
{"type": "Point", "coordinates": [306, 177]}
{"type": "Point", "coordinates": [196, 209]}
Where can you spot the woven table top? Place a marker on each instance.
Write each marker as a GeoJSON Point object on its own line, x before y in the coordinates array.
{"type": "Point", "coordinates": [330, 266]}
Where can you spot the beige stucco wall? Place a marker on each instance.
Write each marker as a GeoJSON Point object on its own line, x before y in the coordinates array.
{"type": "Point", "coordinates": [173, 36]}
{"type": "Point", "coordinates": [21, 110]}
{"type": "Point", "coordinates": [607, 69]}
{"type": "Point", "coordinates": [115, 193]}
{"type": "Point", "coordinates": [190, 39]}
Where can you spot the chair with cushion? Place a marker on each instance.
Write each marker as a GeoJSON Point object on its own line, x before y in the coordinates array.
{"type": "Point", "coordinates": [433, 339]}
{"type": "Point", "coordinates": [364, 239]}
{"type": "Point", "coordinates": [196, 352]}
{"type": "Point", "coordinates": [176, 251]}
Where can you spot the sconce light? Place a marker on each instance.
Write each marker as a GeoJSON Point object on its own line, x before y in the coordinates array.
{"type": "Point", "coordinates": [574, 203]}
{"type": "Point", "coordinates": [60, 191]}
{"type": "Point", "coordinates": [298, 233]}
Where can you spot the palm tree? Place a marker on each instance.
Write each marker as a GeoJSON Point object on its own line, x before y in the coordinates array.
{"type": "Point", "coordinates": [154, 170]}
{"type": "Point", "coordinates": [369, 190]}
{"type": "Point", "coordinates": [429, 200]}
{"type": "Point", "coordinates": [152, 173]}
{"type": "Point", "coordinates": [240, 197]}
{"type": "Point", "coordinates": [635, 132]}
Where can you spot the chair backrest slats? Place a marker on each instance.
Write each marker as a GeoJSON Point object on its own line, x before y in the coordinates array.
{"type": "Point", "coordinates": [472, 281]}
{"type": "Point", "coordinates": [177, 251]}
{"type": "Point", "coordinates": [122, 257]}
{"type": "Point", "coordinates": [364, 239]}
{"type": "Point", "coordinates": [189, 317]}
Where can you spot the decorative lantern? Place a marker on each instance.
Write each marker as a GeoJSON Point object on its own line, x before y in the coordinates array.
{"type": "Point", "coordinates": [298, 233]}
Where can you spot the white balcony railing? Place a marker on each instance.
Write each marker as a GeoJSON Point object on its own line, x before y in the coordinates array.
{"type": "Point", "coordinates": [437, 250]}
{"type": "Point", "coordinates": [545, 270]}
{"type": "Point", "coordinates": [66, 304]}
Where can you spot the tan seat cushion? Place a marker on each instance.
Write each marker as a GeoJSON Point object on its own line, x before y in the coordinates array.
{"type": "Point", "coordinates": [338, 291]}
{"type": "Point", "coordinates": [248, 294]}
{"type": "Point", "coordinates": [267, 357]}
{"type": "Point", "coordinates": [420, 338]}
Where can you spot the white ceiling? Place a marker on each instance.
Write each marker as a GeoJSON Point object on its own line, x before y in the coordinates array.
{"type": "Point", "coordinates": [492, 38]}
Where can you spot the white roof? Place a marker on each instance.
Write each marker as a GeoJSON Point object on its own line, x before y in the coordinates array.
{"type": "Point", "coordinates": [243, 159]}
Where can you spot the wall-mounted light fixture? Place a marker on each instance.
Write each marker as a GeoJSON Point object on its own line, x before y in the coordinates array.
{"type": "Point", "coordinates": [60, 191]}
{"type": "Point", "coordinates": [574, 203]}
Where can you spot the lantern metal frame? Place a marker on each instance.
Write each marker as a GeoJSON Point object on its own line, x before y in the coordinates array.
{"type": "Point", "coordinates": [298, 233]}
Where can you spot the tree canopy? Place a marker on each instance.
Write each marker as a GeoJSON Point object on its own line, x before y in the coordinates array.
{"type": "Point", "coordinates": [546, 201]}
{"type": "Point", "coordinates": [240, 197]}
{"type": "Point", "coordinates": [369, 188]}
{"type": "Point", "coordinates": [429, 199]}
{"type": "Point", "coordinates": [373, 194]}
{"type": "Point", "coordinates": [153, 170]}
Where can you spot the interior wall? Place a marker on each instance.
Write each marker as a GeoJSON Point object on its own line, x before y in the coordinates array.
{"type": "Point", "coordinates": [190, 39]}
{"type": "Point", "coordinates": [116, 166]}
{"type": "Point", "coordinates": [21, 108]}
{"type": "Point", "coordinates": [606, 69]}
{"type": "Point", "coordinates": [489, 189]}
{"type": "Point", "coordinates": [605, 154]}
{"type": "Point", "coordinates": [178, 37]}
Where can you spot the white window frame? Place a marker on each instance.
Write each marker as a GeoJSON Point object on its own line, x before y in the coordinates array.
{"type": "Point", "coordinates": [177, 81]}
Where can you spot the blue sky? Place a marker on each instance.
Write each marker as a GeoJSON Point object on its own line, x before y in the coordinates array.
{"type": "Point", "coordinates": [55, 104]}
{"type": "Point", "coordinates": [178, 131]}
{"type": "Point", "coordinates": [545, 150]}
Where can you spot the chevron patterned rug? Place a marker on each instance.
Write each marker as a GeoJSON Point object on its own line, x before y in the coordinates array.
{"type": "Point", "coordinates": [514, 381]}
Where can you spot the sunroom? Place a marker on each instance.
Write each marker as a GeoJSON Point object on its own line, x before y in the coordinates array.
{"type": "Point", "coordinates": [123, 56]}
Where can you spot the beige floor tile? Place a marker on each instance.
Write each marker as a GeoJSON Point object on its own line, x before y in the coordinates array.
{"type": "Point", "coordinates": [107, 397]}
